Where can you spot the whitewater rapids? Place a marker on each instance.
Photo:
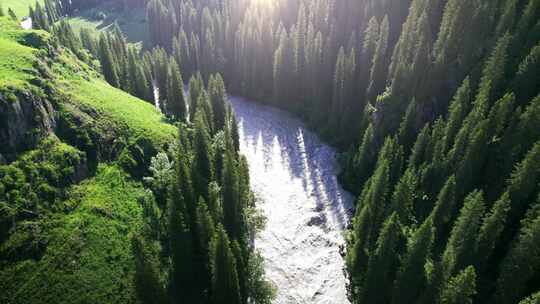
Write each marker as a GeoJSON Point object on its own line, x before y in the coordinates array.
{"type": "Point", "coordinates": [293, 174]}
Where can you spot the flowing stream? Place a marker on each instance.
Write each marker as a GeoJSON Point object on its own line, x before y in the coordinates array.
{"type": "Point", "coordinates": [293, 175]}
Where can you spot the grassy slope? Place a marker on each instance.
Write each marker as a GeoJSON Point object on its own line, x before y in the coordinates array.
{"type": "Point", "coordinates": [20, 7]}
{"type": "Point", "coordinates": [132, 23]}
{"type": "Point", "coordinates": [78, 249]}
{"type": "Point", "coordinates": [88, 258]}
{"type": "Point", "coordinates": [16, 60]}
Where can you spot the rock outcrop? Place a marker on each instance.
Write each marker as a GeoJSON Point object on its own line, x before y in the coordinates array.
{"type": "Point", "coordinates": [25, 119]}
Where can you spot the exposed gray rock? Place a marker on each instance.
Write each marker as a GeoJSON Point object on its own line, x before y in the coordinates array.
{"type": "Point", "coordinates": [25, 119]}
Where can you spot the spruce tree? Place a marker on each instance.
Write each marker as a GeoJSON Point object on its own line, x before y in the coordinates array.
{"type": "Point", "coordinates": [203, 167]}
{"type": "Point", "coordinates": [491, 230]}
{"type": "Point", "coordinates": [176, 105]}
{"type": "Point", "coordinates": [443, 213]}
{"type": "Point", "coordinates": [378, 69]}
{"type": "Point", "coordinates": [407, 131]}
{"type": "Point", "coordinates": [412, 278]}
{"type": "Point", "coordinates": [218, 99]}
{"type": "Point", "coordinates": [11, 14]}
{"type": "Point", "coordinates": [108, 65]}
{"type": "Point", "coordinates": [521, 265]}
{"type": "Point", "coordinates": [225, 283]}
{"type": "Point", "coordinates": [232, 211]}
{"type": "Point", "coordinates": [460, 289]}
{"type": "Point", "coordinates": [382, 263]}
{"type": "Point", "coordinates": [460, 248]}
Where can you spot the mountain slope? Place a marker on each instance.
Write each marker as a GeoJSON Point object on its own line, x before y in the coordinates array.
{"type": "Point", "coordinates": [67, 203]}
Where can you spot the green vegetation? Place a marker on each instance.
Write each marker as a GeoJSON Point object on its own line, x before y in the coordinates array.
{"type": "Point", "coordinates": [77, 224]}
{"type": "Point", "coordinates": [85, 249]}
{"type": "Point", "coordinates": [20, 7]}
{"type": "Point", "coordinates": [434, 101]}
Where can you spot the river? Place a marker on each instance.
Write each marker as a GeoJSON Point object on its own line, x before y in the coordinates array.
{"type": "Point", "coordinates": [293, 175]}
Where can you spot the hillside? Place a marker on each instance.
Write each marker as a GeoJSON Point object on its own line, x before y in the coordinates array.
{"type": "Point", "coordinates": [102, 197]}
{"type": "Point", "coordinates": [20, 7]}
{"type": "Point", "coordinates": [434, 106]}
{"type": "Point", "coordinates": [67, 202]}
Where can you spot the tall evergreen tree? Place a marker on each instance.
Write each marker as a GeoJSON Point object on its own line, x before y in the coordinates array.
{"type": "Point", "coordinates": [176, 105]}
{"type": "Point", "coordinates": [225, 286]}
{"type": "Point", "coordinates": [107, 62]}
{"type": "Point", "coordinates": [460, 288]}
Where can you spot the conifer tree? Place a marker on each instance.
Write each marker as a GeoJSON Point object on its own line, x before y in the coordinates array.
{"type": "Point", "coordinates": [203, 167]}
{"type": "Point", "coordinates": [148, 282]}
{"type": "Point", "coordinates": [526, 82]}
{"type": "Point", "coordinates": [365, 158]}
{"type": "Point", "coordinates": [176, 105]}
{"type": "Point", "coordinates": [404, 196]}
{"type": "Point", "coordinates": [382, 263]}
{"type": "Point", "coordinates": [423, 141]}
{"type": "Point", "coordinates": [231, 196]}
{"type": "Point", "coordinates": [180, 235]}
{"type": "Point", "coordinates": [443, 212]}
{"type": "Point", "coordinates": [407, 130]}
{"type": "Point", "coordinates": [107, 63]}
{"type": "Point", "coordinates": [225, 284]}
{"type": "Point", "coordinates": [196, 88]}
{"type": "Point", "coordinates": [521, 264]}
{"type": "Point", "coordinates": [491, 230]}
{"type": "Point", "coordinates": [412, 278]}
{"type": "Point", "coordinates": [377, 77]}
{"type": "Point", "coordinates": [218, 98]}
{"type": "Point", "coordinates": [11, 14]}
{"type": "Point", "coordinates": [460, 248]}
{"type": "Point", "coordinates": [206, 230]}
{"type": "Point", "coordinates": [457, 111]}
{"type": "Point", "coordinates": [460, 289]}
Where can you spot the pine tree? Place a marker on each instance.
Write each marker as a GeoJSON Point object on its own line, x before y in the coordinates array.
{"type": "Point", "coordinates": [365, 158]}
{"type": "Point", "coordinates": [404, 196]}
{"type": "Point", "coordinates": [108, 65]}
{"type": "Point", "coordinates": [368, 220]}
{"type": "Point", "coordinates": [412, 278]}
{"type": "Point", "coordinates": [443, 212]}
{"type": "Point", "coordinates": [149, 285]}
{"type": "Point", "coordinates": [491, 230]}
{"type": "Point", "coordinates": [231, 197]}
{"type": "Point", "coordinates": [218, 98]}
{"type": "Point", "coordinates": [460, 289]}
{"type": "Point", "coordinates": [11, 14]}
{"type": "Point", "coordinates": [206, 230]}
{"type": "Point", "coordinates": [183, 254]}
{"type": "Point", "coordinates": [423, 141]}
{"type": "Point", "coordinates": [460, 248]}
{"type": "Point", "coordinates": [202, 165]}
{"type": "Point", "coordinates": [527, 79]}
{"type": "Point", "coordinates": [377, 77]}
{"type": "Point", "coordinates": [407, 129]}
{"type": "Point", "coordinates": [382, 263]}
{"type": "Point", "coordinates": [521, 264]}
{"type": "Point", "coordinates": [456, 113]}
{"type": "Point", "coordinates": [196, 88]}
{"type": "Point", "coordinates": [225, 284]}
{"type": "Point", "coordinates": [176, 105]}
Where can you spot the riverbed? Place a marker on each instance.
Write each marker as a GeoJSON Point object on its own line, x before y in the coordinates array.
{"type": "Point", "coordinates": [294, 177]}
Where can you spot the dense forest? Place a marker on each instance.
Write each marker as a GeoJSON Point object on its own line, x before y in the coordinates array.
{"type": "Point", "coordinates": [166, 200]}
{"type": "Point", "coordinates": [434, 104]}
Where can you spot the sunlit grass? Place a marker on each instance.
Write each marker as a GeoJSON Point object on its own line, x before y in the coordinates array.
{"type": "Point", "coordinates": [20, 7]}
